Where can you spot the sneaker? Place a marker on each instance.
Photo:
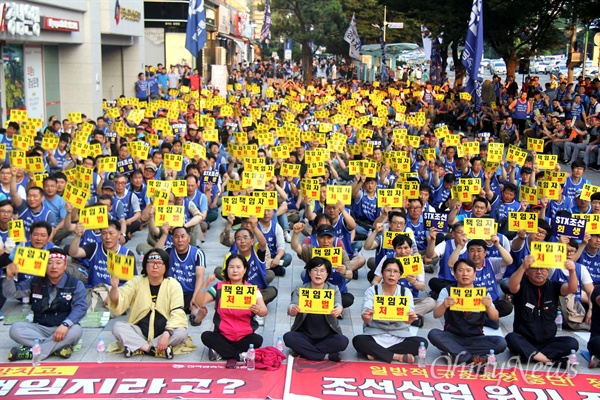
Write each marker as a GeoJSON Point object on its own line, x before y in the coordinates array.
{"type": "Point", "coordinates": [260, 320]}
{"type": "Point", "coordinates": [287, 236]}
{"type": "Point", "coordinates": [355, 275]}
{"type": "Point", "coordinates": [595, 168]}
{"type": "Point", "coordinates": [279, 271]}
{"type": "Point", "coordinates": [335, 357]}
{"type": "Point", "coordinates": [193, 321]}
{"type": "Point", "coordinates": [418, 322]}
{"type": "Point", "coordinates": [213, 355]}
{"type": "Point", "coordinates": [65, 352]}
{"type": "Point", "coordinates": [130, 353]}
{"type": "Point", "coordinates": [429, 269]}
{"type": "Point", "coordinates": [243, 356]}
{"type": "Point", "coordinates": [167, 353]}
{"type": "Point", "coordinates": [594, 362]}
{"type": "Point", "coordinates": [20, 353]}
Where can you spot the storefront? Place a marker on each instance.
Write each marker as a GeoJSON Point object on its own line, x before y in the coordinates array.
{"type": "Point", "coordinates": [61, 57]}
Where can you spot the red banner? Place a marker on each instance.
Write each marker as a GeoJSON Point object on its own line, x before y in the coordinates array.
{"type": "Point", "coordinates": [330, 380]}
{"type": "Point", "coordinates": [138, 380]}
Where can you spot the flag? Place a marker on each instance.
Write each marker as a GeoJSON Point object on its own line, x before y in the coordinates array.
{"type": "Point", "coordinates": [351, 36]}
{"type": "Point", "coordinates": [117, 12]}
{"type": "Point", "coordinates": [265, 31]}
{"type": "Point", "coordinates": [435, 62]}
{"type": "Point", "coordinates": [384, 76]}
{"type": "Point", "coordinates": [195, 34]}
{"type": "Point", "coordinates": [473, 52]}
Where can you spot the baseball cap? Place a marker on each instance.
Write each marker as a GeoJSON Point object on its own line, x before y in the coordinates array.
{"type": "Point", "coordinates": [150, 165]}
{"type": "Point", "coordinates": [109, 185]}
{"type": "Point", "coordinates": [325, 230]}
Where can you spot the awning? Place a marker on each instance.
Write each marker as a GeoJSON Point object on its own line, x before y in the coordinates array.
{"type": "Point", "coordinates": [239, 41]}
{"type": "Point", "coordinates": [391, 49]}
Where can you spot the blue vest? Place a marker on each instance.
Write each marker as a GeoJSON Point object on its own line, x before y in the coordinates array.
{"type": "Point", "coordinates": [345, 235]}
{"type": "Point", "coordinates": [271, 237]}
{"type": "Point", "coordinates": [184, 270]}
{"type": "Point", "coordinates": [445, 271]}
{"type": "Point", "coordinates": [98, 272]}
{"type": "Point", "coordinates": [486, 278]}
{"type": "Point", "coordinates": [366, 208]}
{"type": "Point", "coordinates": [571, 188]}
{"type": "Point", "coordinates": [592, 263]}
{"type": "Point", "coordinates": [520, 111]}
{"type": "Point", "coordinates": [197, 199]}
{"type": "Point", "coordinates": [419, 232]}
{"type": "Point", "coordinates": [126, 201]}
{"type": "Point", "coordinates": [559, 275]}
{"type": "Point", "coordinates": [29, 217]}
{"type": "Point", "coordinates": [257, 272]}
{"type": "Point", "coordinates": [51, 314]}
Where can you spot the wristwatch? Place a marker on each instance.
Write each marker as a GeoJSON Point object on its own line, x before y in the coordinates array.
{"type": "Point", "coordinates": [65, 324]}
{"type": "Point", "coordinates": [169, 331]}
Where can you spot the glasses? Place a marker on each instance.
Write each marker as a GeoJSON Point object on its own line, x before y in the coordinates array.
{"type": "Point", "coordinates": [571, 251]}
{"type": "Point", "coordinates": [319, 271]}
{"type": "Point", "coordinates": [6, 212]}
{"type": "Point", "coordinates": [155, 264]}
{"type": "Point", "coordinates": [242, 238]}
{"type": "Point", "coordinates": [415, 208]}
{"type": "Point", "coordinates": [397, 222]}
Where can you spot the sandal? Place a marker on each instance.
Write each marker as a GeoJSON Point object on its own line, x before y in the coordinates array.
{"type": "Point", "coordinates": [407, 359]}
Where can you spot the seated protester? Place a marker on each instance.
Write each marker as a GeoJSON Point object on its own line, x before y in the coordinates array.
{"type": "Point", "coordinates": [375, 241]}
{"type": "Point", "coordinates": [486, 270]}
{"type": "Point", "coordinates": [96, 253]}
{"type": "Point", "coordinates": [580, 206]}
{"type": "Point", "coordinates": [417, 225]}
{"type": "Point", "coordinates": [281, 207]}
{"type": "Point", "coordinates": [131, 205]}
{"type": "Point", "coordinates": [344, 225]}
{"type": "Point", "coordinates": [186, 264]}
{"type": "Point", "coordinates": [58, 304]}
{"type": "Point", "coordinates": [463, 338]}
{"type": "Point", "coordinates": [252, 245]}
{"type": "Point", "coordinates": [200, 201]}
{"type": "Point", "coordinates": [5, 178]}
{"type": "Point", "coordinates": [443, 192]}
{"type": "Point", "coordinates": [313, 336]}
{"type": "Point", "coordinates": [536, 300]}
{"type": "Point", "coordinates": [325, 236]}
{"type": "Point", "coordinates": [279, 260]}
{"type": "Point", "coordinates": [414, 283]}
{"type": "Point", "coordinates": [425, 195]}
{"type": "Point", "coordinates": [313, 207]}
{"type": "Point", "coordinates": [56, 205]}
{"type": "Point", "coordinates": [502, 205]}
{"type": "Point", "coordinates": [39, 238]}
{"type": "Point", "coordinates": [458, 212]}
{"type": "Point", "coordinates": [290, 188]}
{"type": "Point", "coordinates": [138, 187]}
{"type": "Point", "coordinates": [589, 256]}
{"type": "Point", "coordinates": [125, 163]}
{"type": "Point", "coordinates": [443, 249]}
{"type": "Point", "coordinates": [594, 342]}
{"type": "Point", "coordinates": [233, 329]}
{"type": "Point", "coordinates": [322, 219]}
{"type": "Point", "coordinates": [97, 179]}
{"type": "Point", "coordinates": [551, 207]}
{"type": "Point", "coordinates": [576, 307]}
{"type": "Point", "coordinates": [32, 210]}
{"type": "Point", "coordinates": [364, 204]}
{"type": "Point", "coordinates": [117, 209]}
{"type": "Point", "coordinates": [156, 321]}
{"type": "Point", "coordinates": [574, 183]}
{"type": "Point", "coordinates": [7, 244]}
{"type": "Point", "coordinates": [388, 340]}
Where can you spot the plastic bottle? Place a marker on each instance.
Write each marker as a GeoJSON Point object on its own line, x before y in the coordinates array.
{"type": "Point", "coordinates": [140, 259]}
{"type": "Point", "coordinates": [490, 366]}
{"type": "Point", "coordinates": [101, 350]}
{"type": "Point", "coordinates": [572, 364]}
{"type": "Point", "coordinates": [36, 350]}
{"type": "Point", "coordinates": [250, 358]}
{"type": "Point", "coordinates": [25, 305]}
{"type": "Point", "coordinates": [422, 355]}
{"type": "Point", "coordinates": [279, 344]}
{"type": "Point", "coordinates": [78, 345]}
{"type": "Point", "coordinates": [559, 322]}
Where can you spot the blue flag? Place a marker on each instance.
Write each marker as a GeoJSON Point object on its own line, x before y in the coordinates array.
{"type": "Point", "coordinates": [265, 31]}
{"type": "Point", "coordinates": [195, 34]}
{"type": "Point", "coordinates": [473, 52]}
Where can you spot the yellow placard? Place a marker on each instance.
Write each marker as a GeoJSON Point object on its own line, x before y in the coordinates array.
{"type": "Point", "coordinates": [337, 193]}
{"type": "Point", "coordinates": [391, 308]}
{"type": "Point", "coordinates": [333, 254]}
{"type": "Point", "coordinates": [548, 254]}
{"type": "Point", "coordinates": [31, 261]}
{"type": "Point", "coordinates": [84, 174]}
{"type": "Point", "coordinates": [429, 154]}
{"type": "Point", "coordinates": [471, 148]}
{"type": "Point", "coordinates": [16, 231]}
{"type": "Point", "coordinates": [412, 265]}
{"type": "Point", "coordinates": [468, 299]}
{"type": "Point", "coordinates": [174, 161]}
{"type": "Point", "coordinates": [38, 180]}
{"type": "Point", "coordinates": [593, 222]}
{"type": "Point", "coordinates": [480, 228]}
{"type": "Point", "coordinates": [230, 205]}
{"type": "Point", "coordinates": [94, 217]}
{"type": "Point", "coordinates": [473, 185]}
{"type": "Point", "coordinates": [107, 164]}
{"type": "Point", "coordinates": [270, 198]}
{"type": "Point", "coordinates": [34, 164]}
{"type": "Point", "coordinates": [238, 297]}
{"type": "Point", "coordinates": [161, 198]}
{"type": "Point", "coordinates": [315, 169]}
{"type": "Point", "coordinates": [389, 236]}
{"type": "Point", "coordinates": [462, 193]}
{"type": "Point", "coordinates": [120, 265]}
{"type": "Point", "coordinates": [527, 221]}
{"type": "Point", "coordinates": [316, 301]}
{"type": "Point", "coordinates": [50, 142]}
{"type": "Point", "coordinates": [536, 145]}
{"type": "Point", "coordinates": [587, 191]}
{"type": "Point", "coordinates": [553, 176]}
{"type": "Point", "coordinates": [75, 117]}
{"type": "Point", "coordinates": [255, 180]}
{"type": "Point", "coordinates": [546, 161]}
{"type": "Point", "coordinates": [551, 190]}
{"type": "Point", "coordinates": [179, 188]}
{"type": "Point", "coordinates": [310, 188]}
{"type": "Point", "coordinates": [173, 215]}
{"type": "Point", "coordinates": [18, 115]}
{"type": "Point", "coordinates": [282, 152]}
{"type": "Point", "coordinates": [391, 197]}
{"type": "Point", "coordinates": [154, 185]}
{"type": "Point", "coordinates": [251, 206]}
{"type": "Point", "coordinates": [22, 142]}
{"type": "Point", "coordinates": [235, 185]}
{"type": "Point", "coordinates": [290, 170]}
{"type": "Point", "coordinates": [76, 196]}
{"type": "Point", "coordinates": [516, 155]}
{"type": "Point", "coordinates": [410, 189]}
{"type": "Point", "coordinates": [528, 194]}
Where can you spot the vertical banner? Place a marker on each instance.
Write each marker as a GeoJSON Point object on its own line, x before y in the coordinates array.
{"type": "Point", "coordinates": [219, 77]}
{"type": "Point", "coordinates": [473, 51]}
{"type": "Point", "coordinates": [34, 82]}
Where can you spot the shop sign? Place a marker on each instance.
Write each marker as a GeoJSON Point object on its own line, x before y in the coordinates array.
{"type": "Point", "coordinates": [20, 19]}
{"type": "Point", "coordinates": [60, 24]}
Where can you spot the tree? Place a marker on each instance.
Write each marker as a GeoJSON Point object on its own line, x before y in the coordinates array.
{"type": "Point", "coordinates": [305, 21]}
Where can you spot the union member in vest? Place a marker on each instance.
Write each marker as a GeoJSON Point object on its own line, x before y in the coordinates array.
{"type": "Point", "coordinates": [388, 340]}
{"type": "Point", "coordinates": [594, 342]}
{"type": "Point", "coordinates": [536, 300]}
{"type": "Point", "coordinates": [156, 320]}
{"type": "Point", "coordinates": [463, 337]}
{"type": "Point", "coordinates": [58, 302]}
{"type": "Point", "coordinates": [233, 329]}
{"type": "Point", "coordinates": [314, 336]}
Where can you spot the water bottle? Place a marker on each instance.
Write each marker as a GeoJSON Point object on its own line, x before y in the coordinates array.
{"type": "Point", "coordinates": [36, 351]}
{"type": "Point", "coordinates": [279, 344]}
{"type": "Point", "coordinates": [25, 305]}
{"type": "Point", "coordinates": [141, 259]}
{"type": "Point", "coordinates": [78, 345]}
{"type": "Point", "coordinates": [250, 358]}
{"type": "Point", "coordinates": [572, 364]}
{"type": "Point", "coordinates": [559, 322]}
{"type": "Point", "coordinates": [422, 355]}
{"type": "Point", "coordinates": [101, 350]}
{"type": "Point", "coordinates": [490, 366]}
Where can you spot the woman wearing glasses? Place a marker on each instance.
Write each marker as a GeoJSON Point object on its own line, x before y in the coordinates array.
{"type": "Point", "coordinates": [315, 335]}
{"type": "Point", "coordinates": [156, 320]}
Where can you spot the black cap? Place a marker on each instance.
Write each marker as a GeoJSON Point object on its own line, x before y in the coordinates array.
{"type": "Point", "coordinates": [325, 230]}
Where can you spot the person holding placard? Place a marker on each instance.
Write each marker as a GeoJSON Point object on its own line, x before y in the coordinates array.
{"type": "Point", "coordinates": [5, 178]}
{"type": "Point", "coordinates": [463, 338]}
{"type": "Point", "coordinates": [196, 196]}
{"type": "Point", "coordinates": [58, 302]}
{"type": "Point", "coordinates": [131, 204]}
{"type": "Point", "coordinates": [459, 211]}
{"type": "Point", "coordinates": [580, 206]}
{"type": "Point", "coordinates": [443, 250]}
{"type": "Point", "coordinates": [316, 334]}
{"type": "Point", "coordinates": [32, 210]}
{"type": "Point", "coordinates": [57, 206]}
{"type": "Point", "coordinates": [234, 328]}
{"type": "Point", "coordinates": [594, 342]}
{"type": "Point", "coordinates": [575, 181]}
{"type": "Point", "coordinates": [344, 224]}
{"type": "Point", "coordinates": [536, 300]}
{"type": "Point", "coordinates": [388, 339]}
{"type": "Point", "coordinates": [486, 270]}
{"type": "Point", "coordinates": [364, 204]}
{"type": "Point", "coordinates": [154, 303]}
{"type": "Point", "coordinates": [414, 282]}
{"type": "Point", "coordinates": [39, 238]}
{"type": "Point", "coordinates": [589, 255]}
